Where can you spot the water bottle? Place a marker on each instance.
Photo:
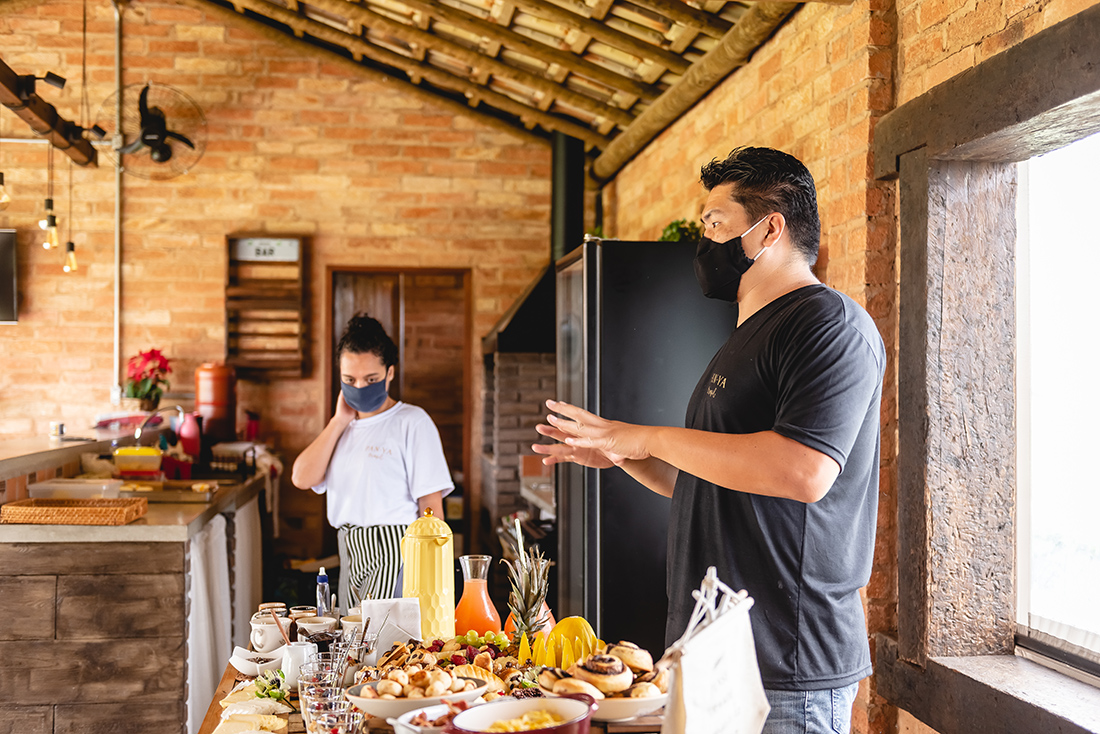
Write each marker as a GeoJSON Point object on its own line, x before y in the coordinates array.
{"type": "Point", "coordinates": [323, 603]}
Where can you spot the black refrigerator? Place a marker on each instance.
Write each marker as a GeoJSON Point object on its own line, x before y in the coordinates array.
{"type": "Point", "coordinates": [634, 335]}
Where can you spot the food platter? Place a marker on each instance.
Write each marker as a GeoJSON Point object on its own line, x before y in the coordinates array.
{"type": "Point", "coordinates": [403, 723]}
{"type": "Point", "coordinates": [389, 708]}
{"type": "Point", "coordinates": [621, 709]}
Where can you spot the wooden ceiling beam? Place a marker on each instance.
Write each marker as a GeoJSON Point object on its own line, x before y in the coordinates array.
{"type": "Point", "coordinates": [602, 32]}
{"type": "Point", "coordinates": [684, 14]}
{"type": "Point", "coordinates": [438, 77]}
{"type": "Point", "coordinates": [410, 34]}
{"type": "Point", "coordinates": [734, 50]}
{"type": "Point", "coordinates": [518, 42]}
{"type": "Point", "coordinates": [44, 119]}
{"type": "Point", "coordinates": [502, 12]}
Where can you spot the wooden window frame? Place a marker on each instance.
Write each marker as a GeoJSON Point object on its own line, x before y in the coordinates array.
{"type": "Point", "coordinates": [953, 151]}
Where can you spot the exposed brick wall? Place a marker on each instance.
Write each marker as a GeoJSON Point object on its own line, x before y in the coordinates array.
{"type": "Point", "coordinates": [520, 385]}
{"type": "Point", "coordinates": [298, 144]}
{"type": "Point", "coordinates": [941, 38]}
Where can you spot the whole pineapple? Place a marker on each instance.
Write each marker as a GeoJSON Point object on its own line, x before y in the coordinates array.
{"type": "Point", "coordinates": [529, 575]}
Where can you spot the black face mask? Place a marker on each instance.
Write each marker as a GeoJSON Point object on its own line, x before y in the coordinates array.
{"type": "Point", "coordinates": [720, 265]}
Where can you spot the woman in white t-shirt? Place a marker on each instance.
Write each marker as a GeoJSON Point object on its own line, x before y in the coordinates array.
{"type": "Point", "coordinates": [379, 461]}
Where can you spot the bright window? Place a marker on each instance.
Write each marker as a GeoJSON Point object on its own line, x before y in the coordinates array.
{"type": "Point", "coordinates": [1059, 400]}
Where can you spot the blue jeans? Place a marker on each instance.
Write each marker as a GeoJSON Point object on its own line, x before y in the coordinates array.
{"type": "Point", "coordinates": [826, 711]}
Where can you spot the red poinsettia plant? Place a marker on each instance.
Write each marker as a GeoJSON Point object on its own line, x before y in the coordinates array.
{"type": "Point", "coordinates": [146, 375]}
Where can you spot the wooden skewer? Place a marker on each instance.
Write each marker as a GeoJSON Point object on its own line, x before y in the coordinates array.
{"type": "Point", "coordinates": [280, 626]}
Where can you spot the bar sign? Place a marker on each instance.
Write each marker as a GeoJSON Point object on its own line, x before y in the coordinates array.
{"type": "Point", "coordinates": [266, 249]}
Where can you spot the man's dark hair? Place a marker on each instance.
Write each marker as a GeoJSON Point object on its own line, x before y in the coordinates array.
{"type": "Point", "coordinates": [364, 335]}
{"type": "Point", "coordinates": [769, 180]}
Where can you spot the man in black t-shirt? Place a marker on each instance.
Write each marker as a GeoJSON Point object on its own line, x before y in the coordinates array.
{"type": "Point", "coordinates": [774, 479]}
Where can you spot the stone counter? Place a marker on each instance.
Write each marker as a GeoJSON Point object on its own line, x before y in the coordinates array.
{"type": "Point", "coordinates": [173, 522]}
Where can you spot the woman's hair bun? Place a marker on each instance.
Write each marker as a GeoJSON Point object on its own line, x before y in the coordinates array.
{"type": "Point", "coordinates": [365, 335]}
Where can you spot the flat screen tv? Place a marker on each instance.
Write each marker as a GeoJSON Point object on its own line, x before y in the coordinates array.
{"type": "Point", "coordinates": [8, 293]}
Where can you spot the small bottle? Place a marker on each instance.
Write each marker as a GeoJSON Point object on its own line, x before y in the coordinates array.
{"type": "Point", "coordinates": [323, 602]}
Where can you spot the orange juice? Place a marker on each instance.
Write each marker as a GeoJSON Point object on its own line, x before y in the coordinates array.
{"type": "Point", "coordinates": [475, 609]}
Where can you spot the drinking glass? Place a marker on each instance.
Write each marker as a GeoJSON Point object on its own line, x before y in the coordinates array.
{"type": "Point", "coordinates": [349, 721]}
{"type": "Point", "coordinates": [314, 675]}
{"type": "Point", "coordinates": [332, 661]}
{"type": "Point", "coordinates": [314, 700]}
{"type": "Point", "coordinates": [354, 654]}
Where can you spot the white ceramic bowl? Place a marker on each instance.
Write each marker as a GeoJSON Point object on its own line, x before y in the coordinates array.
{"type": "Point", "coordinates": [573, 711]}
{"type": "Point", "coordinates": [621, 709]}
{"type": "Point", "coordinates": [386, 708]}
{"type": "Point", "coordinates": [401, 724]}
{"type": "Point", "coordinates": [242, 660]}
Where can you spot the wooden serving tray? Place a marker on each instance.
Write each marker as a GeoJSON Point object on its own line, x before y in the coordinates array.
{"type": "Point", "coordinates": [173, 490]}
{"type": "Point", "coordinates": [170, 495]}
{"type": "Point", "coordinates": [74, 512]}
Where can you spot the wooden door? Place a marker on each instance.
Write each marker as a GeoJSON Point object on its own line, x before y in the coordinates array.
{"type": "Point", "coordinates": [375, 294]}
{"type": "Point", "coordinates": [427, 313]}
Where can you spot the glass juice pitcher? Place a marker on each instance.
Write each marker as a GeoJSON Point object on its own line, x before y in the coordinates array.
{"type": "Point", "coordinates": [428, 554]}
{"type": "Point", "coordinates": [475, 610]}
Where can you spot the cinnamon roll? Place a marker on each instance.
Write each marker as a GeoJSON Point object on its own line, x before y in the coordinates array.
{"type": "Point", "coordinates": [606, 672]}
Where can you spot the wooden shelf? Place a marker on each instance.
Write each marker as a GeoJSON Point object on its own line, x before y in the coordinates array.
{"type": "Point", "coordinates": [265, 306]}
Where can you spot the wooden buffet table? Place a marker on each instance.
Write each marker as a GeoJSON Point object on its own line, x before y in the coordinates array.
{"type": "Point", "coordinates": [641, 725]}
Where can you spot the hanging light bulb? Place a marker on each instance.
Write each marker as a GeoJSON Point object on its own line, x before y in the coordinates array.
{"type": "Point", "coordinates": [44, 221]}
{"type": "Point", "coordinates": [51, 239]}
{"type": "Point", "coordinates": [70, 258]}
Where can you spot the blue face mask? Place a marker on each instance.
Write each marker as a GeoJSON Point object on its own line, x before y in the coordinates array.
{"type": "Point", "coordinates": [364, 399]}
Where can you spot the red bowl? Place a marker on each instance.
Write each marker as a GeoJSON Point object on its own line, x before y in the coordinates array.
{"type": "Point", "coordinates": [575, 711]}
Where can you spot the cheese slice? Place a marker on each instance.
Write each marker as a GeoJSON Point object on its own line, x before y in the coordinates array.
{"type": "Point", "coordinates": [234, 727]}
{"type": "Point", "coordinates": [246, 693]}
{"type": "Point", "coordinates": [262, 722]}
{"type": "Point", "coordinates": [257, 706]}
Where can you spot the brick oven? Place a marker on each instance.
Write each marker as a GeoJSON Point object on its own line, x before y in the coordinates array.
{"type": "Point", "coordinates": [519, 378]}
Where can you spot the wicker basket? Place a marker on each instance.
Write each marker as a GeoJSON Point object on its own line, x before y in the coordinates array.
{"type": "Point", "coordinates": [74, 512]}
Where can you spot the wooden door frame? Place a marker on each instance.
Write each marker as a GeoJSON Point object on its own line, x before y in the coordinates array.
{"type": "Point", "coordinates": [471, 495]}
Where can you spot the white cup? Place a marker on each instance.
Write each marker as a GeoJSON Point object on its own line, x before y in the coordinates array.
{"type": "Point", "coordinates": [265, 635]}
{"type": "Point", "coordinates": [313, 625]}
{"type": "Point", "coordinates": [352, 625]}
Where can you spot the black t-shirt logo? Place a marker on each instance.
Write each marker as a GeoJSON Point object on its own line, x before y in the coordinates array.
{"type": "Point", "coordinates": [716, 381]}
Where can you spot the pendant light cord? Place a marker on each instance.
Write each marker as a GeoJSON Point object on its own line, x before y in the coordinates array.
{"type": "Point", "coordinates": [70, 201]}
{"type": "Point", "coordinates": [49, 170]}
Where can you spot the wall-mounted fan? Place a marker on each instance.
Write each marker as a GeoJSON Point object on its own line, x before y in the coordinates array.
{"type": "Point", "coordinates": [163, 130]}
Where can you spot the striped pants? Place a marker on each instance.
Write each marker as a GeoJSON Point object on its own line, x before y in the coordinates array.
{"type": "Point", "coordinates": [370, 562]}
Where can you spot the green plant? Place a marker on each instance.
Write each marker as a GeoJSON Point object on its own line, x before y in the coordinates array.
{"type": "Point", "coordinates": [681, 229]}
{"type": "Point", "coordinates": [146, 375]}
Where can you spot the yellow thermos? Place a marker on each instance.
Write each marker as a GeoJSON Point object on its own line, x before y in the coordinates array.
{"type": "Point", "coordinates": [428, 553]}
